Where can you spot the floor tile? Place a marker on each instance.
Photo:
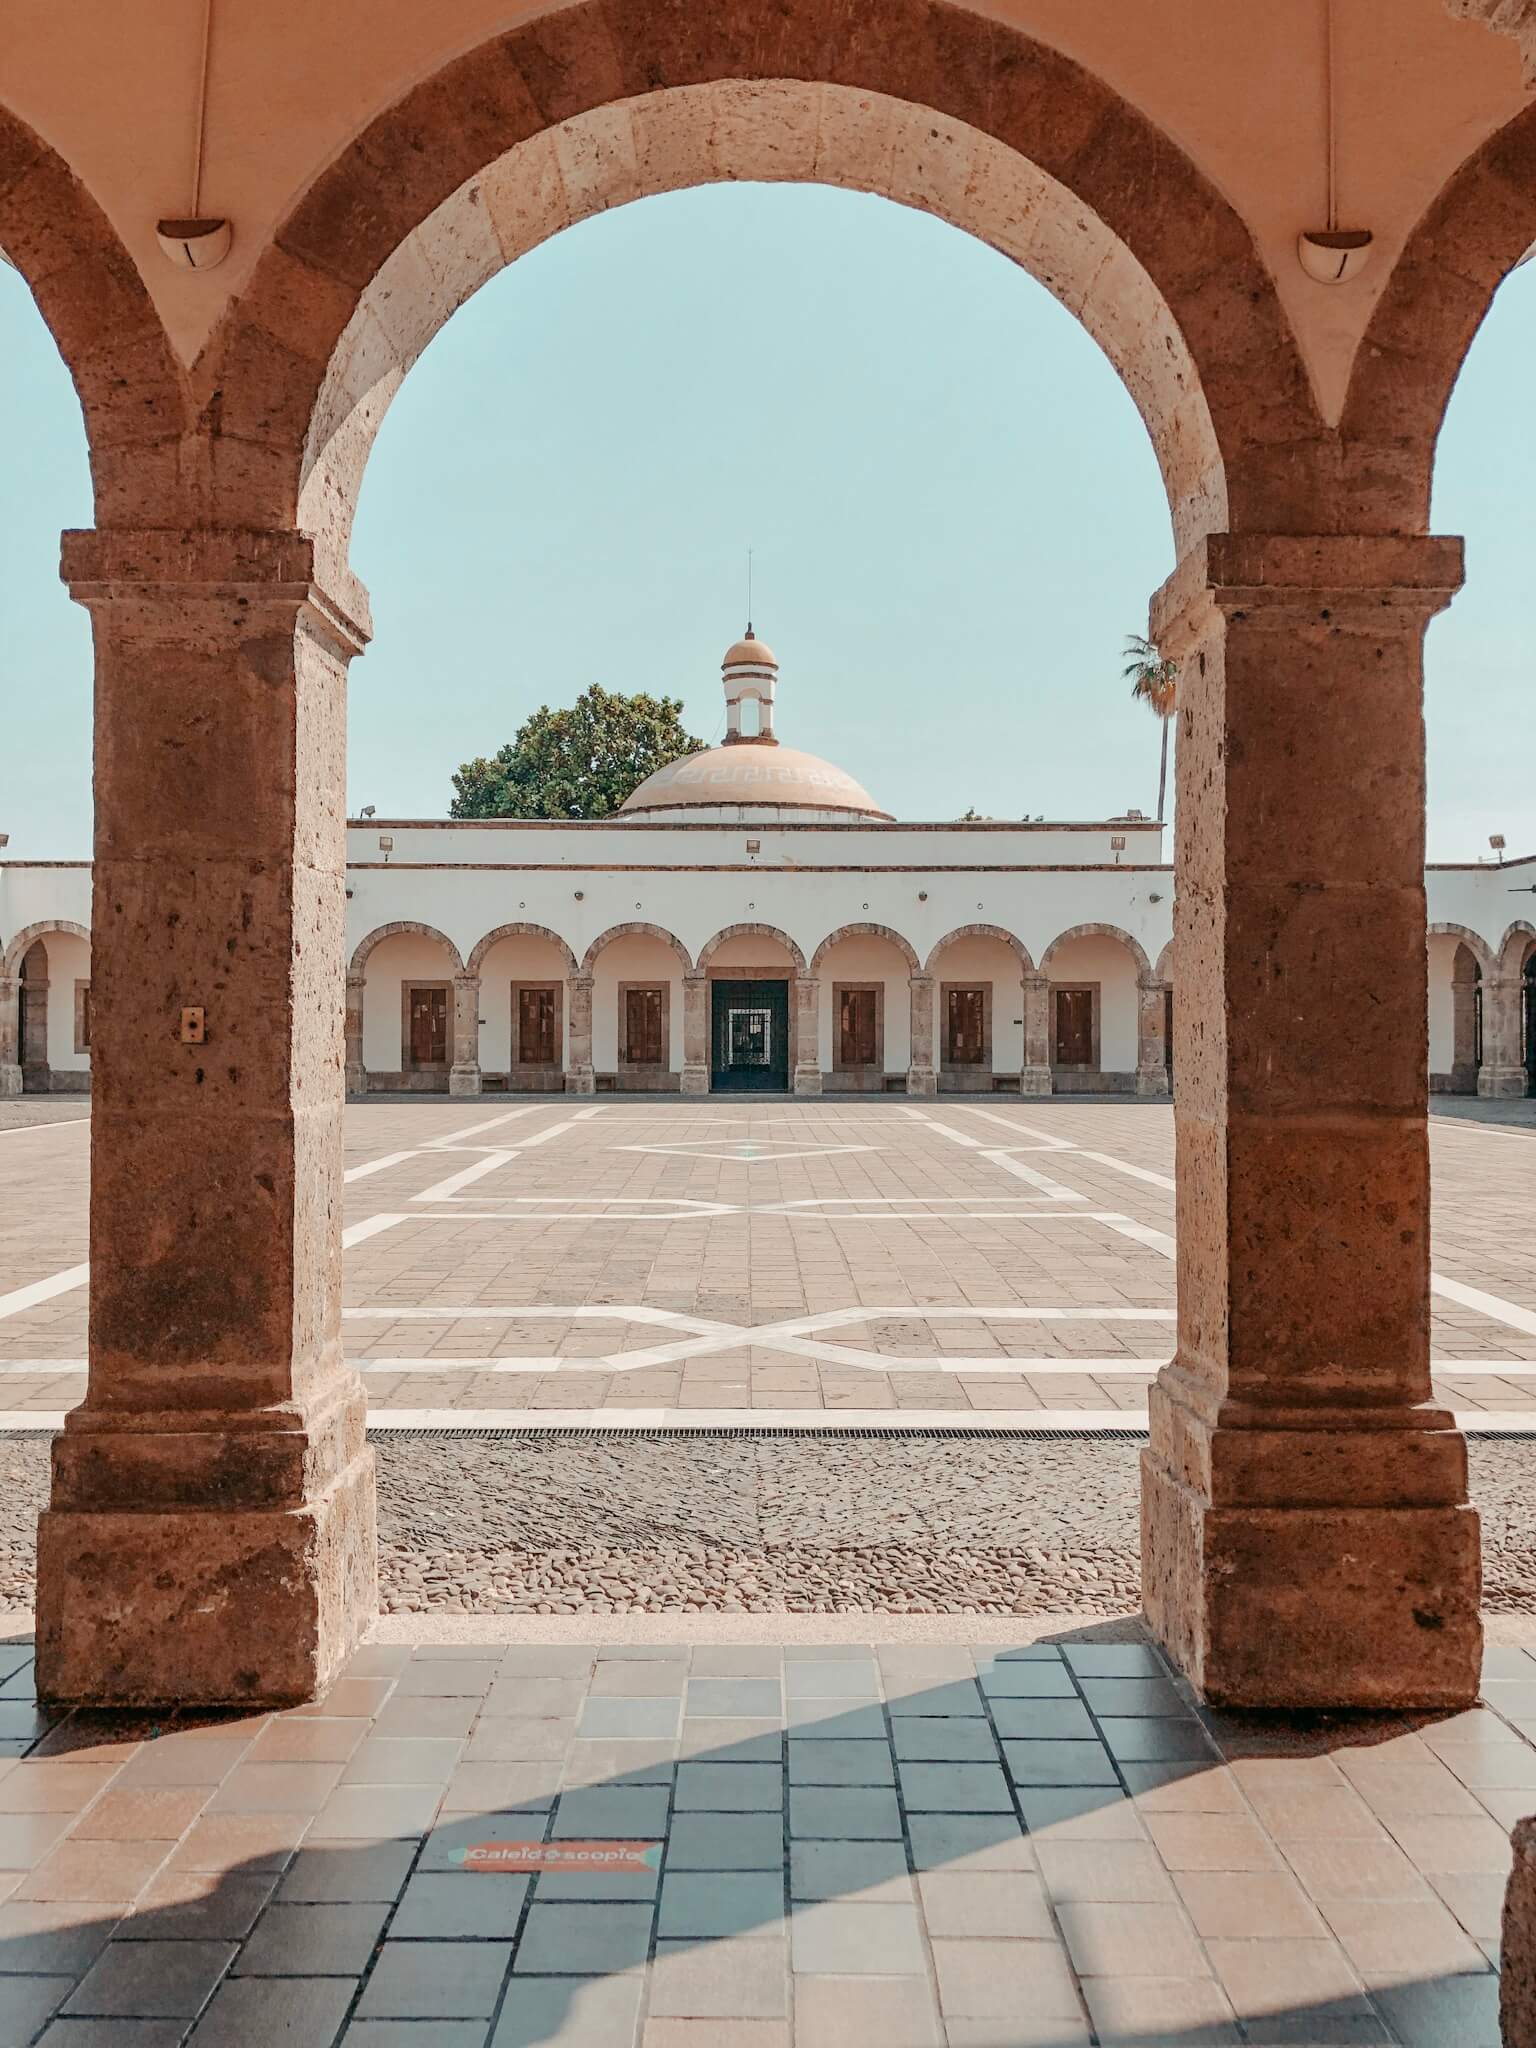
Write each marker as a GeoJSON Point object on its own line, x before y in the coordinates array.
{"type": "Point", "coordinates": [152, 1979]}
{"type": "Point", "coordinates": [729, 1841]}
{"type": "Point", "coordinates": [845, 1938]}
{"type": "Point", "coordinates": [1173, 2012]}
{"type": "Point", "coordinates": [583, 1940]}
{"type": "Point", "coordinates": [955, 1788]}
{"type": "Point", "coordinates": [1114, 1940]}
{"type": "Point", "coordinates": [254, 2012]}
{"type": "Point", "coordinates": [613, 1813]}
{"type": "Point", "coordinates": [711, 1905]}
{"type": "Point", "coordinates": [848, 1870]}
{"type": "Point", "coordinates": [995, 1979]}
{"type": "Point", "coordinates": [460, 1905]}
{"type": "Point", "coordinates": [866, 2012]}
{"type": "Point", "coordinates": [837, 1813]}
{"type": "Point", "coordinates": [720, 1980]}
{"type": "Point", "coordinates": [839, 1763]}
{"type": "Point", "coordinates": [958, 1904]}
{"type": "Point", "coordinates": [312, 1941]}
{"type": "Point", "coordinates": [747, 1697]}
{"type": "Point", "coordinates": [630, 1717]}
{"type": "Point", "coordinates": [436, 1979]}
{"type": "Point", "coordinates": [729, 1788]}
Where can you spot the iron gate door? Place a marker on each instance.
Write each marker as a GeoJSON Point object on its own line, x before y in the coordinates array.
{"type": "Point", "coordinates": [749, 1035]}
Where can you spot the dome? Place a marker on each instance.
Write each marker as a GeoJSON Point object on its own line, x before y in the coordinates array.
{"type": "Point", "coordinates": [767, 777]}
{"type": "Point", "coordinates": [749, 653]}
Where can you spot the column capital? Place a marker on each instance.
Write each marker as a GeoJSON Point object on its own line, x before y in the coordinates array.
{"type": "Point", "coordinates": [1285, 579]}
{"type": "Point", "coordinates": [126, 565]}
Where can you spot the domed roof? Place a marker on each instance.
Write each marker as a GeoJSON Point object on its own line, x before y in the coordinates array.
{"type": "Point", "coordinates": [770, 776]}
{"type": "Point", "coordinates": [749, 652]}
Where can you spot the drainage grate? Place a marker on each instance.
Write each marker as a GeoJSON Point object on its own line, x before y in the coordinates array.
{"type": "Point", "coordinates": [777, 1434]}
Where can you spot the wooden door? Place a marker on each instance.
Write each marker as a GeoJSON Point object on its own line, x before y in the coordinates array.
{"type": "Point", "coordinates": [858, 1028]}
{"type": "Point", "coordinates": [429, 1027]}
{"type": "Point", "coordinates": [645, 1027]}
{"type": "Point", "coordinates": [965, 1027]}
{"type": "Point", "coordinates": [536, 1012]}
{"type": "Point", "coordinates": [1074, 1027]}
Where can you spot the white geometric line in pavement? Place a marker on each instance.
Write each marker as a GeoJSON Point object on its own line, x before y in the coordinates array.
{"type": "Point", "coordinates": [376, 1165]}
{"type": "Point", "coordinates": [1157, 1180]}
{"type": "Point", "coordinates": [1448, 1369]}
{"type": "Point", "coordinates": [1491, 1305]}
{"type": "Point", "coordinates": [356, 1233]}
{"type": "Point", "coordinates": [945, 1130]}
{"type": "Point", "coordinates": [52, 1123]}
{"type": "Point", "coordinates": [1042, 1181]}
{"type": "Point", "coordinates": [490, 1123]}
{"type": "Point", "coordinates": [1143, 1233]}
{"type": "Point", "coordinates": [27, 1297]}
{"type": "Point", "coordinates": [1048, 1141]}
{"type": "Point", "coordinates": [441, 1190]}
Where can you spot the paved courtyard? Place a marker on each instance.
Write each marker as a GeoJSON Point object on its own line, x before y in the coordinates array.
{"type": "Point", "coordinates": [670, 1260]}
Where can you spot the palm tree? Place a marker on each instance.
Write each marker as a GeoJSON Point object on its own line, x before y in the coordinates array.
{"type": "Point", "coordinates": [1155, 681]}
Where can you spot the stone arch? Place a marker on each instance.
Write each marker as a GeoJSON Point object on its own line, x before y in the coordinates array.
{"type": "Point", "coordinates": [1513, 947]}
{"type": "Point", "coordinates": [382, 932]}
{"type": "Point", "coordinates": [604, 101]}
{"type": "Point", "coordinates": [1100, 931]}
{"type": "Point", "coordinates": [632, 931]}
{"type": "Point", "coordinates": [981, 931]}
{"type": "Point", "coordinates": [1480, 224]}
{"type": "Point", "coordinates": [519, 931]}
{"type": "Point", "coordinates": [132, 391]}
{"type": "Point", "coordinates": [1163, 971]}
{"type": "Point", "coordinates": [708, 951]}
{"type": "Point", "coordinates": [865, 931]}
{"type": "Point", "coordinates": [1478, 947]}
{"type": "Point", "coordinates": [23, 941]}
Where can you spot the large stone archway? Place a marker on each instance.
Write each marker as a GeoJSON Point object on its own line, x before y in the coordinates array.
{"type": "Point", "coordinates": [13, 1052]}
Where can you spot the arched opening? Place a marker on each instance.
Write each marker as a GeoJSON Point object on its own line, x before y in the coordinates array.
{"type": "Point", "coordinates": [976, 999]}
{"type": "Point", "coordinates": [761, 1016]}
{"type": "Point", "coordinates": [1096, 977]}
{"type": "Point", "coordinates": [865, 1000]}
{"type": "Point", "coordinates": [45, 1011]}
{"type": "Point", "coordinates": [634, 1023]}
{"type": "Point", "coordinates": [1456, 961]}
{"type": "Point", "coordinates": [522, 1001]}
{"type": "Point", "coordinates": [406, 1010]}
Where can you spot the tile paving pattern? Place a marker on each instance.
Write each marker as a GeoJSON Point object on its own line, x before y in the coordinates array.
{"type": "Point", "coordinates": [864, 1845]}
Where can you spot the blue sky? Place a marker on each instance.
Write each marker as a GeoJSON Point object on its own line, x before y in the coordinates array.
{"type": "Point", "coordinates": [955, 513]}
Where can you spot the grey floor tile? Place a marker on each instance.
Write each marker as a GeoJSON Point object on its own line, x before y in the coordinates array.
{"type": "Point", "coordinates": [633, 1718]}
{"type": "Point", "coordinates": [969, 1841]}
{"type": "Point", "coordinates": [955, 1788]}
{"type": "Point", "coordinates": [152, 1979]}
{"type": "Point", "coordinates": [849, 1870]}
{"type": "Point", "coordinates": [43, 1938]}
{"type": "Point", "coordinates": [377, 1813]}
{"type": "Point", "coordinates": [543, 2012]}
{"type": "Point", "coordinates": [583, 1940]}
{"type": "Point", "coordinates": [954, 1740]}
{"type": "Point", "coordinates": [1147, 1740]}
{"type": "Point", "coordinates": [1104, 1873]}
{"type": "Point", "coordinates": [840, 1763]}
{"type": "Point", "coordinates": [312, 1941]}
{"type": "Point", "coordinates": [429, 1980]}
{"type": "Point", "coordinates": [959, 1696]}
{"type": "Point", "coordinates": [842, 1813]}
{"type": "Point", "coordinates": [546, 1660]}
{"type": "Point", "coordinates": [1044, 1720]}
{"type": "Point", "coordinates": [866, 2012]}
{"type": "Point", "coordinates": [536, 1698]}
{"type": "Point", "coordinates": [852, 1678]}
{"type": "Point", "coordinates": [719, 1980]}
{"type": "Point", "coordinates": [1131, 1696]}
{"type": "Point", "coordinates": [856, 1939]}
{"type": "Point", "coordinates": [113, 2034]}
{"type": "Point", "coordinates": [747, 1697]}
{"type": "Point", "coordinates": [255, 2012]}
{"type": "Point", "coordinates": [460, 1905]}
{"type": "Point", "coordinates": [639, 1678]}
{"type": "Point", "coordinates": [605, 1761]}
{"type": "Point", "coordinates": [1080, 1813]}
{"type": "Point", "coordinates": [729, 1788]}
{"type": "Point", "coordinates": [613, 1813]}
{"type": "Point", "coordinates": [1059, 1763]}
{"type": "Point", "coordinates": [1451, 2012]}
{"type": "Point", "coordinates": [754, 1660]}
{"type": "Point", "coordinates": [1016, 1679]}
{"type": "Point", "coordinates": [520, 1738]}
{"type": "Point", "coordinates": [1114, 1660]}
{"type": "Point", "coordinates": [712, 1904]}
{"type": "Point", "coordinates": [26, 2001]}
{"type": "Point", "coordinates": [836, 1719]}
{"type": "Point", "coordinates": [458, 1677]}
{"type": "Point", "coordinates": [408, 2034]}
{"type": "Point", "coordinates": [346, 1871]}
{"type": "Point", "coordinates": [730, 1841]}
{"type": "Point", "coordinates": [733, 1740]}
{"type": "Point", "coordinates": [402, 1760]}
{"type": "Point", "coordinates": [505, 1788]}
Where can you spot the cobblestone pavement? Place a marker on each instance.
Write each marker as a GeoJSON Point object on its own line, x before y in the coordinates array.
{"type": "Point", "coordinates": [668, 1258]}
{"type": "Point", "coordinates": [865, 1844]}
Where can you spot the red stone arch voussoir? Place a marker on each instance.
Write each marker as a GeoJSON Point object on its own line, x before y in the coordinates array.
{"type": "Point", "coordinates": [412, 925]}
{"type": "Point", "coordinates": [1475, 944]}
{"type": "Point", "coordinates": [1159, 222]}
{"type": "Point", "coordinates": [866, 931]}
{"type": "Point", "coordinates": [982, 931]}
{"type": "Point", "coordinates": [23, 941]}
{"type": "Point", "coordinates": [1137, 951]}
{"type": "Point", "coordinates": [1477, 228]}
{"type": "Point", "coordinates": [712, 946]}
{"type": "Point", "coordinates": [132, 391]}
{"type": "Point", "coordinates": [1515, 945]}
{"type": "Point", "coordinates": [1163, 971]}
{"type": "Point", "coordinates": [635, 931]}
{"type": "Point", "coordinates": [519, 931]}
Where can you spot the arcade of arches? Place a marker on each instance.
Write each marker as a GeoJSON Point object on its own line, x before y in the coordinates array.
{"type": "Point", "coordinates": [1307, 1537]}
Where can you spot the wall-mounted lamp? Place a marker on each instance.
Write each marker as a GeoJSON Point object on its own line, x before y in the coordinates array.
{"type": "Point", "coordinates": [579, 894]}
{"type": "Point", "coordinates": [1496, 841]}
{"type": "Point", "coordinates": [754, 846]}
{"type": "Point", "coordinates": [922, 895]}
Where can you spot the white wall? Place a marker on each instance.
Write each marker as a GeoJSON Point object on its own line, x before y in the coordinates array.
{"type": "Point", "coordinates": [69, 961]}
{"type": "Point", "coordinates": [1113, 967]}
{"type": "Point", "coordinates": [633, 958]}
{"type": "Point", "coordinates": [867, 959]}
{"type": "Point", "coordinates": [509, 960]}
{"type": "Point", "coordinates": [984, 960]}
{"type": "Point", "coordinates": [1442, 1022]}
{"type": "Point", "coordinates": [405, 958]}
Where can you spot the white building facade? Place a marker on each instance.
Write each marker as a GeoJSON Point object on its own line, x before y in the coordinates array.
{"type": "Point", "coordinates": [751, 921]}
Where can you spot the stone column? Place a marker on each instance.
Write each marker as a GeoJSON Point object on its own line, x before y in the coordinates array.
{"type": "Point", "coordinates": [464, 1074]}
{"type": "Point", "coordinates": [1306, 1538]}
{"type": "Point", "coordinates": [695, 1075]}
{"type": "Point", "coordinates": [357, 1073]}
{"type": "Point", "coordinates": [805, 993]}
{"type": "Point", "coordinates": [34, 1030]}
{"type": "Point", "coordinates": [1035, 1077]}
{"type": "Point", "coordinates": [1503, 1070]}
{"type": "Point", "coordinates": [210, 1532]}
{"type": "Point", "coordinates": [1464, 1028]}
{"type": "Point", "coordinates": [922, 1073]}
{"type": "Point", "coordinates": [10, 1036]}
{"type": "Point", "coordinates": [1151, 1043]}
{"type": "Point", "coordinates": [579, 1078]}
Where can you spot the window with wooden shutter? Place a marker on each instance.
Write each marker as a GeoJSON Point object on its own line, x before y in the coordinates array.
{"type": "Point", "coordinates": [538, 1017]}
{"type": "Point", "coordinates": [428, 1039]}
{"type": "Point", "coordinates": [82, 1016]}
{"type": "Point", "coordinates": [965, 1027]}
{"type": "Point", "coordinates": [645, 1027]}
{"type": "Point", "coordinates": [1074, 1027]}
{"type": "Point", "coordinates": [858, 1027]}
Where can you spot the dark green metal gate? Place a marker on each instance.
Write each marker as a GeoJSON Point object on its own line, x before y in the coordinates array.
{"type": "Point", "coordinates": [749, 1036]}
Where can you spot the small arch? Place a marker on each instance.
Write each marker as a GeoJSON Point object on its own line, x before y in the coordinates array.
{"type": "Point", "coordinates": [981, 931]}
{"type": "Point", "coordinates": [752, 931]}
{"type": "Point", "coordinates": [390, 931]}
{"type": "Point", "coordinates": [635, 931]}
{"type": "Point", "coordinates": [1163, 971]}
{"type": "Point", "coordinates": [24, 940]}
{"type": "Point", "coordinates": [519, 931]}
{"type": "Point", "coordinates": [1099, 931]}
{"type": "Point", "coordinates": [1517, 939]}
{"type": "Point", "coordinates": [864, 931]}
{"type": "Point", "coordinates": [1476, 946]}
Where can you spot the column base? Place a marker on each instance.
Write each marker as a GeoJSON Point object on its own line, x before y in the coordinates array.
{"type": "Point", "coordinates": [1501, 1082]}
{"type": "Point", "coordinates": [10, 1081]}
{"type": "Point", "coordinates": [1517, 1953]}
{"type": "Point", "coordinates": [464, 1081]}
{"type": "Point", "coordinates": [357, 1080]}
{"type": "Point", "coordinates": [1152, 1081]}
{"type": "Point", "coordinates": [922, 1081]}
{"type": "Point", "coordinates": [1360, 1590]}
{"type": "Point", "coordinates": [1035, 1081]}
{"type": "Point", "coordinates": [807, 1081]}
{"type": "Point", "coordinates": [694, 1081]}
{"type": "Point", "coordinates": [580, 1081]}
{"type": "Point", "coordinates": [205, 1606]}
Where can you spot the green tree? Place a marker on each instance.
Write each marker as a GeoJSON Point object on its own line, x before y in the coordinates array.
{"type": "Point", "coordinates": [1154, 682]}
{"type": "Point", "coordinates": [577, 763]}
